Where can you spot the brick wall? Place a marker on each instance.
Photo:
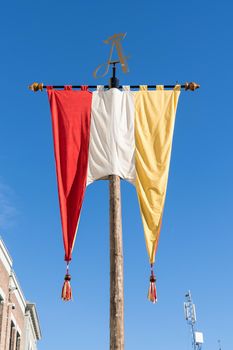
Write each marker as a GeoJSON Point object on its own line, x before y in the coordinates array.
{"type": "Point", "coordinates": [4, 283]}
{"type": "Point", "coordinates": [15, 331]}
{"type": "Point", "coordinates": [10, 311]}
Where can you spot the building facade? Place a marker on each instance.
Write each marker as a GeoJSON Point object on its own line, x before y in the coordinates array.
{"type": "Point", "coordinates": [19, 323]}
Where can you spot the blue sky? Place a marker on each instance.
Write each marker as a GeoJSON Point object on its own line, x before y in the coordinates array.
{"type": "Point", "coordinates": [59, 42]}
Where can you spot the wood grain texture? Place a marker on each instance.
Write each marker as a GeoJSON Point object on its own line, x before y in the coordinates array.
{"type": "Point", "coordinates": [116, 267]}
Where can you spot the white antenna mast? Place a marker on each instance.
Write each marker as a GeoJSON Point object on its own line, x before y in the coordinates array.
{"type": "Point", "coordinates": [190, 316]}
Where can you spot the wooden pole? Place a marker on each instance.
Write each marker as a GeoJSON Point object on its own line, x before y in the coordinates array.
{"type": "Point", "coordinates": [116, 267]}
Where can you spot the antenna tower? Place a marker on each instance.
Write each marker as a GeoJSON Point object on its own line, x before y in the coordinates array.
{"type": "Point", "coordinates": [190, 316]}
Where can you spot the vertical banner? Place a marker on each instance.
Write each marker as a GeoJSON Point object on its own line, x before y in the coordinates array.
{"type": "Point", "coordinates": [154, 125]}
{"type": "Point", "coordinates": [70, 112]}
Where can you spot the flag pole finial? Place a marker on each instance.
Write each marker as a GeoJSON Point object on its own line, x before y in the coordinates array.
{"type": "Point", "coordinates": [191, 86]}
{"type": "Point", "coordinates": [36, 87]}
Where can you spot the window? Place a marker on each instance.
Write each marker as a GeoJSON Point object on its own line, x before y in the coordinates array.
{"type": "Point", "coordinates": [1, 312]}
{"type": "Point", "coordinates": [12, 337]}
{"type": "Point", "coordinates": [17, 341]}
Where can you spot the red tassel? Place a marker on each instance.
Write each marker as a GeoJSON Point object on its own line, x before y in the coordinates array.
{"type": "Point", "coordinates": [152, 295]}
{"type": "Point", "coordinates": [66, 294]}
